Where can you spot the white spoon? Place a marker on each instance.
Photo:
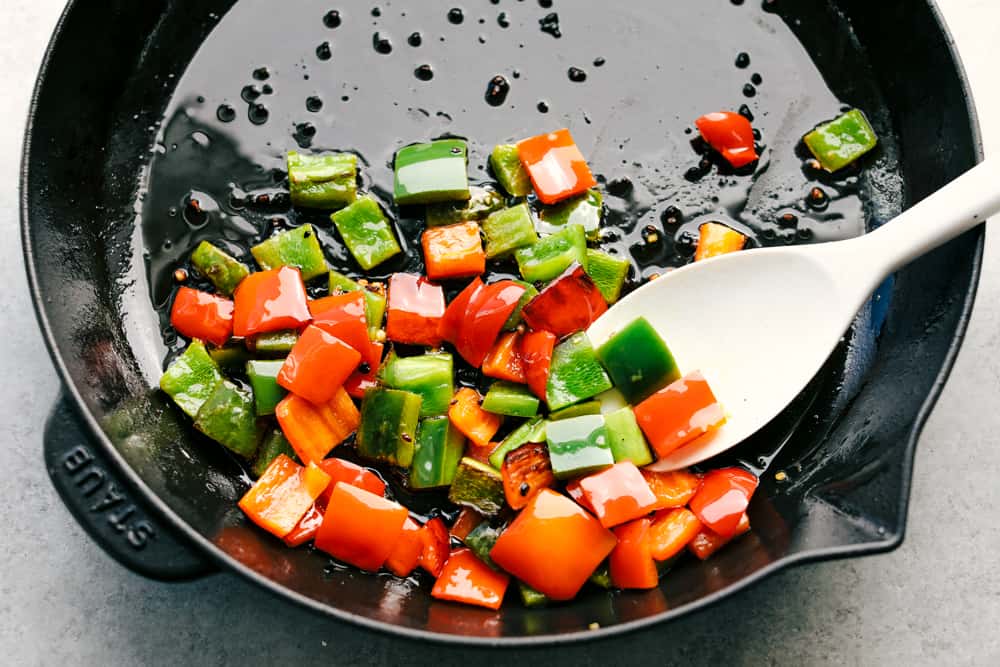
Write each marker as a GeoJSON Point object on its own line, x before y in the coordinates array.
{"type": "Point", "coordinates": [760, 323]}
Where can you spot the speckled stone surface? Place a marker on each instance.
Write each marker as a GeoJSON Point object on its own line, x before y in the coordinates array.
{"type": "Point", "coordinates": [935, 601]}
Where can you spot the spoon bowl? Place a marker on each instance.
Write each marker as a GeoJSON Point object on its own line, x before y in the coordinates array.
{"type": "Point", "coordinates": [759, 324]}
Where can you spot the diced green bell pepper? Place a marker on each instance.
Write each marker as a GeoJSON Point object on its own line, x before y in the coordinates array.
{"type": "Point", "coordinates": [575, 374]}
{"type": "Point", "coordinates": [584, 210]}
{"type": "Point", "coordinates": [231, 358]}
{"type": "Point", "coordinates": [267, 393]}
{"type": "Point", "coordinates": [431, 173]}
{"type": "Point", "coordinates": [626, 438]}
{"type": "Point", "coordinates": [366, 233]}
{"type": "Point", "coordinates": [841, 141]}
{"type": "Point", "coordinates": [388, 430]}
{"type": "Point", "coordinates": [507, 398]}
{"type": "Point", "coordinates": [273, 342]}
{"type": "Point", "coordinates": [436, 456]}
{"type": "Point", "coordinates": [509, 171]}
{"type": "Point", "coordinates": [430, 376]}
{"type": "Point", "coordinates": [638, 360]}
{"type": "Point", "coordinates": [481, 540]}
{"type": "Point", "coordinates": [549, 257]}
{"type": "Point", "coordinates": [532, 430]}
{"type": "Point", "coordinates": [191, 378]}
{"type": "Point", "coordinates": [530, 597]}
{"type": "Point", "coordinates": [578, 445]}
{"type": "Point", "coordinates": [275, 444]}
{"type": "Point", "coordinates": [602, 577]}
{"type": "Point", "coordinates": [224, 270]}
{"type": "Point", "coordinates": [578, 410]}
{"type": "Point", "coordinates": [508, 230]}
{"type": "Point", "coordinates": [325, 181]}
{"type": "Point", "coordinates": [515, 317]}
{"type": "Point", "coordinates": [375, 300]}
{"type": "Point", "coordinates": [228, 417]}
{"type": "Point", "coordinates": [477, 486]}
{"type": "Point", "coordinates": [608, 273]}
{"type": "Point", "coordinates": [481, 203]}
{"type": "Point", "coordinates": [298, 248]}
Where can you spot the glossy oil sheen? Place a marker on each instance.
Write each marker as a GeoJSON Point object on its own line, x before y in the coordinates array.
{"type": "Point", "coordinates": [94, 130]}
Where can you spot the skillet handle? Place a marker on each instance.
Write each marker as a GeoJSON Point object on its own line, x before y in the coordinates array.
{"type": "Point", "coordinates": [109, 508]}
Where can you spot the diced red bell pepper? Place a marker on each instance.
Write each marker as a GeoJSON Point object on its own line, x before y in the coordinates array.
{"type": "Point", "coordinates": [526, 471]}
{"type": "Point", "coordinates": [671, 531]}
{"type": "Point", "coordinates": [272, 300]}
{"type": "Point", "coordinates": [454, 315]}
{"type": "Point", "coordinates": [359, 381]}
{"type": "Point", "coordinates": [575, 491]}
{"type": "Point", "coordinates": [343, 316]}
{"type": "Point", "coordinates": [467, 519]}
{"type": "Point", "coordinates": [454, 251]}
{"type": "Point", "coordinates": [536, 357]}
{"type": "Point", "coordinates": [318, 365]}
{"type": "Point", "coordinates": [360, 528]}
{"type": "Point", "coordinates": [467, 579]}
{"type": "Point", "coordinates": [283, 494]}
{"type": "Point", "coordinates": [313, 430]}
{"type": "Point", "coordinates": [618, 494]}
{"type": "Point", "coordinates": [202, 315]}
{"type": "Point", "coordinates": [504, 361]}
{"type": "Point", "coordinates": [468, 416]}
{"type": "Point", "coordinates": [723, 498]}
{"type": "Point", "coordinates": [480, 453]}
{"type": "Point", "coordinates": [340, 470]}
{"type": "Point", "coordinates": [484, 319]}
{"type": "Point", "coordinates": [553, 545]}
{"type": "Point", "coordinates": [556, 166]}
{"type": "Point", "coordinates": [416, 308]}
{"type": "Point", "coordinates": [716, 239]}
{"type": "Point", "coordinates": [730, 134]}
{"type": "Point", "coordinates": [679, 413]}
{"type": "Point", "coordinates": [403, 558]}
{"type": "Point", "coordinates": [706, 542]}
{"type": "Point", "coordinates": [672, 489]}
{"type": "Point", "coordinates": [567, 305]}
{"type": "Point", "coordinates": [631, 563]}
{"type": "Point", "coordinates": [436, 545]}
{"type": "Point", "coordinates": [305, 529]}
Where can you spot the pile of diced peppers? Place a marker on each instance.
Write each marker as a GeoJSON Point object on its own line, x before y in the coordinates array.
{"type": "Point", "coordinates": [282, 379]}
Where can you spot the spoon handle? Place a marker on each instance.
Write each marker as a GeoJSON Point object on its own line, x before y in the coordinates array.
{"type": "Point", "coordinates": [958, 207]}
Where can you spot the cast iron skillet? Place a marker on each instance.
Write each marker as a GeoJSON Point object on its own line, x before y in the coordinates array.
{"type": "Point", "coordinates": [162, 501]}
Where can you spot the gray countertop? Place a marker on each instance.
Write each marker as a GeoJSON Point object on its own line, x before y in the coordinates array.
{"type": "Point", "coordinates": [936, 600]}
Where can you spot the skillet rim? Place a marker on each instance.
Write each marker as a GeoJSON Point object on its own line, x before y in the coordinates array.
{"type": "Point", "coordinates": [218, 557]}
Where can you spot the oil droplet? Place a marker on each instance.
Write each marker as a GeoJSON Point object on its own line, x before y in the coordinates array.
{"type": "Point", "coordinates": [516, 74]}
{"type": "Point", "coordinates": [737, 2]}
{"type": "Point", "coordinates": [550, 24]}
{"type": "Point", "coordinates": [543, 106]}
{"type": "Point", "coordinates": [267, 89]}
{"type": "Point", "coordinates": [314, 103]}
{"type": "Point", "coordinates": [323, 51]}
{"type": "Point", "coordinates": [332, 19]}
{"type": "Point", "coordinates": [788, 220]}
{"type": "Point", "coordinates": [744, 111]}
{"type": "Point", "coordinates": [743, 60]}
{"type": "Point", "coordinates": [749, 90]}
{"type": "Point", "coordinates": [381, 44]}
{"type": "Point", "coordinates": [424, 73]}
{"type": "Point", "coordinates": [304, 133]}
{"type": "Point", "coordinates": [414, 39]}
{"type": "Point", "coordinates": [671, 216]}
{"type": "Point", "coordinates": [376, 12]}
{"type": "Point", "coordinates": [817, 199]}
{"type": "Point", "coordinates": [756, 79]}
{"type": "Point", "coordinates": [200, 99]}
{"type": "Point", "coordinates": [250, 93]}
{"type": "Point", "coordinates": [261, 74]}
{"type": "Point", "coordinates": [456, 16]}
{"type": "Point", "coordinates": [686, 242]}
{"type": "Point", "coordinates": [258, 114]}
{"type": "Point", "coordinates": [599, 62]}
{"type": "Point", "coordinates": [545, 4]}
{"type": "Point", "coordinates": [502, 20]}
{"type": "Point", "coordinates": [496, 90]}
{"type": "Point", "coordinates": [225, 113]}
{"type": "Point", "coordinates": [577, 75]}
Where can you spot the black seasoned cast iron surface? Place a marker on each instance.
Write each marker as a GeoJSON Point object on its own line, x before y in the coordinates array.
{"type": "Point", "coordinates": [181, 100]}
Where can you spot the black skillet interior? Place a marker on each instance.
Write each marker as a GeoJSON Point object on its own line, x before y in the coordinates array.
{"type": "Point", "coordinates": [101, 245]}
